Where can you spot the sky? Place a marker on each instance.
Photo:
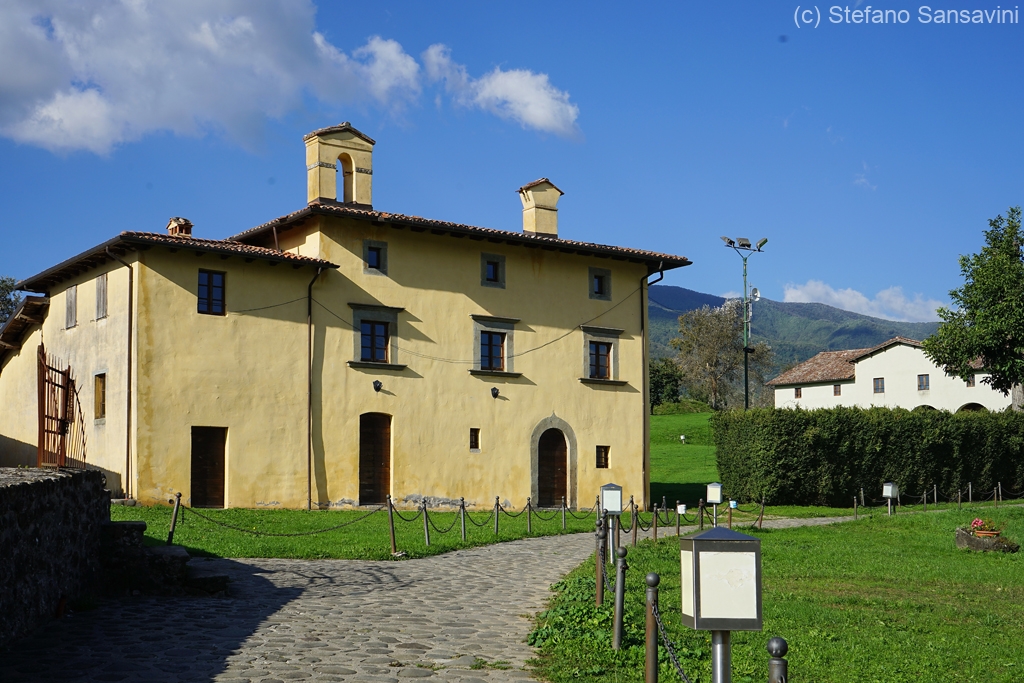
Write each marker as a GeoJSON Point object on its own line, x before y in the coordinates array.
{"type": "Point", "coordinates": [871, 155]}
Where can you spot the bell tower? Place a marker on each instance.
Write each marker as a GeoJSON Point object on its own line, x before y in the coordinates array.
{"type": "Point", "coordinates": [339, 165]}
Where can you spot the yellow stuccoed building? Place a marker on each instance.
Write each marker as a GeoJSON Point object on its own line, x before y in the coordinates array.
{"type": "Point", "coordinates": [340, 354]}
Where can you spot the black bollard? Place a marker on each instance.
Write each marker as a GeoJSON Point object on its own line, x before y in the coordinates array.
{"type": "Point", "coordinates": [599, 552]}
{"type": "Point", "coordinates": [620, 597]}
{"type": "Point", "coordinates": [651, 650]}
{"type": "Point", "coordinates": [778, 668]}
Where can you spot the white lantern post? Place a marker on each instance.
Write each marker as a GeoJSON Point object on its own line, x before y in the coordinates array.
{"type": "Point", "coordinates": [714, 496]}
{"type": "Point", "coordinates": [890, 491]}
{"type": "Point", "coordinates": [721, 590]}
{"type": "Point", "coordinates": [611, 503]}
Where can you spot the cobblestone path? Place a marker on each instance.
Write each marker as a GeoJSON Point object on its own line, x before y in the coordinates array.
{"type": "Point", "coordinates": [461, 617]}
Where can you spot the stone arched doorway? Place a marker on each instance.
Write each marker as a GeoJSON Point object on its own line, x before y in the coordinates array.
{"type": "Point", "coordinates": [553, 463]}
{"type": "Point", "coordinates": [552, 469]}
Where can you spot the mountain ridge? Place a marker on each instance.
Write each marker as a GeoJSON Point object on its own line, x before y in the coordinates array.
{"type": "Point", "coordinates": [795, 331]}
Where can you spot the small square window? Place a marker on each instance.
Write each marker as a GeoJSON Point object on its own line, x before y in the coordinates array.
{"type": "Point", "coordinates": [100, 396]}
{"type": "Point", "coordinates": [375, 257]}
{"type": "Point", "coordinates": [601, 284]}
{"type": "Point", "coordinates": [374, 340]}
{"type": "Point", "coordinates": [492, 270]}
{"type": "Point", "coordinates": [474, 438]}
{"type": "Point", "coordinates": [837, 389]}
{"type": "Point", "coordinates": [970, 380]}
{"type": "Point", "coordinates": [922, 382]}
{"type": "Point", "coordinates": [879, 385]}
{"type": "Point", "coordinates": [602, 457]}
{"type": "Point", "coordinates": [798, 393]}
{"type": "Point", "coordinates": [492, 351]}
{"type": "Point", "coordinates": [600, 360]}
{"type": "Point", "coordinates": [211, 292]}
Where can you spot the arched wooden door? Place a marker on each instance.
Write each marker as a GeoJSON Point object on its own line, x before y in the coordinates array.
{"type": "Point", "coordinates": [374, 458]}
{"type": "Point", "coordinates": [552, 468]}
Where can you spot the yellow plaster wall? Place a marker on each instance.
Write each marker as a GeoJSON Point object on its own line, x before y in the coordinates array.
{"type": "Point", "coordinates": [92, 346]}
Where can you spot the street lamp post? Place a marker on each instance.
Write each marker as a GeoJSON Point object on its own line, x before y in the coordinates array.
{"type": "Point", "coordinates": [739, 245]}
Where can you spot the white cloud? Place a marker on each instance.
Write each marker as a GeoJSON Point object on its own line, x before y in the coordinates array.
{"type": "Point", "coordinates": [90, 76]}
{"type": "Point", "coordinates": [891, 303]}
{"type": "Point", "coordinates": [732, 295]}
{"type": "Point", "coordinates": [861, 179]}
{"type": "Point", "coordinates": [520, 95]}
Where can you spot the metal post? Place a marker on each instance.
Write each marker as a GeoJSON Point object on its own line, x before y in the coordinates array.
{"type": "Point", "coordinates": [855, 507]}
{"type": "Point", "coordinates": [599, 562]}
{"type": "Point", "coordinates": [700, 513]}
{"type": "Point", "coordinates": [1000, 491]}
{"type": "Point", "coordinates": [617, 525]}
{"type": "Point", "coordinates": [664, 503]}
{"type": "Point", "coordinates": [563, 513]}
{"type": "Point", "coordinates": [677, 518]}
{"type": "Point", "coordinates": [995, 497]}
{"type": "Point", "coordinates": [620, 597]}
{"type": "Point", "coordinates": [935, 495]}
{"type": "Point", "coordinates": [497, 509]}
{"type": "Point", "coordinates": [651, 660]}
{"type": "Point", "coordinates": [426, 524]}
{"type": "Point", "coordinates": [605, 536]}
{"type": "Point", "coordinates": [730, 516]}
{"type": "Point", "coordinates": [714, 506]}
{"type": "Point", "coordinates": [862, 496]}
{"type": "Point", "coordinates": [462, 517]}
{"type": "Point", "coordinates": [391, 525]}
{"type": "Point", "coordinates": [970, 493]}
{"type": "Point", "coordinates": [174, 517]}
{"type": "Point", "coordinates": [529, 516]}
{"type": "Point", "coordinates": [778, 668]}
{"type": "Point", "coordinates": [925, 497]}
{"type": "Point", "coordinates": [959, 504]}
{"type": "Point", "coordinates": [721, 664]}
{"type": "Point", "coordinates": [889, 501]}
{"type": "Point", "coordinates": [654, 523]}
{"type": "Point", "coordinates": [760, 517]}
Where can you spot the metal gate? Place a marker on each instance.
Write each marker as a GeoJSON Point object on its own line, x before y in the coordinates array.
{"type": "Point", "coordinates": [61, 423]}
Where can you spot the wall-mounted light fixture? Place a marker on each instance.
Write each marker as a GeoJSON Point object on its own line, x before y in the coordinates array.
{"type": "Point", "coordinates": [377, 385]}
{"type": "Point", "coordinates": [494, 392]}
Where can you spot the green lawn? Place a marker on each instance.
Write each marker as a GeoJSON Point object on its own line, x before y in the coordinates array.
{"type": "Point", "coordinates": [680, 472]}
{"type": "Point", "coordinates": [878, 600]}
{"type": "Point", "coordinates": [366, 539]}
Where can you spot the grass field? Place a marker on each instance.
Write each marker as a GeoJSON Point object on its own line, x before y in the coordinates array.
{"type": "Point", "coordinates": [366, 539]}
{"type": "Point", "coordinates": [878, 600]}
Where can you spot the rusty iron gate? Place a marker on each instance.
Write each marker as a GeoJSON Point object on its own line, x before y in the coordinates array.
{"type": "Point", "coordinates": [61, 422]}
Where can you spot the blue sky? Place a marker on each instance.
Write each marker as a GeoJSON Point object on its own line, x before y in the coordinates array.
{"type": "Point", "coordinates": [870, 155]}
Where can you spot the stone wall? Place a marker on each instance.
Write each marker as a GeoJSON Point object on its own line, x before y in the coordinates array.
{"type": "Point", "coordinates": [50, 525]}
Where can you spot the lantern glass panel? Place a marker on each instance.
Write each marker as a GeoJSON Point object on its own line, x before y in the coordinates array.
{"type": "Point", "coordinates": [890, 490]}
{"type": "Point", "coordinates": [687, 582]}
{"type": "Point", "coordinates": [714, 494]}
{"type": "Point", "coordinates": [611, 499]}
{"type": "Point", "coordinates": [681, 508]}
{"type": "Point", "coordinates": [728, 585]}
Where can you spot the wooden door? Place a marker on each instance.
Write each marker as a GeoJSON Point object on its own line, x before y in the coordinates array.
{"type": "Point", "coordinates": [374, 458]}
{"type": "Point", "coordinates": [208, 466]}
{"type": "Point", "coordinates": [552, 468]}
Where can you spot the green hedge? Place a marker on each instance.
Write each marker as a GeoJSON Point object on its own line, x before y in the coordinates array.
{"type": "Point", "coordinates": [684, 406]}
{"type": "Point", "coordinates": [825, 456]}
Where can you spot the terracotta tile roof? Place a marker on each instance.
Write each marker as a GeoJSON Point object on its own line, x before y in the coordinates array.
{"type": "Point", "coordinates": [653, 259]}
{"type": "Point", "coordinates": [827, 366]}
{"type": "Point", "coordinates": [834, 366]}
{"type": "Point", "coordinates": [343, 126]}
{"type": "Point", "coordinates": [132, 241]}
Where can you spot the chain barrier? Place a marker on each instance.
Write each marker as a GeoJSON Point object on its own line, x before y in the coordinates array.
{"type": "Point", "coordinates": [640, 523]}
{"type": "Point", "coordinates": [586, 512]}
{"type": "Point", "coordinates": [407, 519]}
{"type": "Point", "coordinates": [609, 585]}
{"type": "Point", "coordinates": [669, 647]}
{"type": "Point", "coordinates": [256, 532]}
{"type": "Point", "coordinates": [486, 521]}
{"type": "Point", "coordinates": [509, 514]}
{"type": "Point", "coordinates": [554, 513]}
{"type": "Point", "coordinates": [451, 526]}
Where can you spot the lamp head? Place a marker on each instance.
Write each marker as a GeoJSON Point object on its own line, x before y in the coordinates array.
{"type": "Point", "coordinates": [743, 242]}
{"type": "Point", "coordinates": [761, 242]}
{"type": "Point", "coordinates": [728, 242]}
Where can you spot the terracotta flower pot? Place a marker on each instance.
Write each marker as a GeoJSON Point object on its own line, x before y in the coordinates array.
{"type": "Point", "coordinates": [986, 534]}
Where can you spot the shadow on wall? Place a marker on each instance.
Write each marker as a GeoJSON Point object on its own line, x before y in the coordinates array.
{"type": "Point", "coordinates": [196, 638]}
{"type": "Point", "coordinates": [14, 453]}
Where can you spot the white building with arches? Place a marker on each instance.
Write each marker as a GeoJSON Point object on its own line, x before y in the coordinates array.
{"type": "Point", "coordinates": [896, 373]}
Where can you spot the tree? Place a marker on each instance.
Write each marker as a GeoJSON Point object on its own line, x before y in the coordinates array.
{"type": "Point", "coordinates": [666, 382]}
{"type": "Point", "coordinates": [9, 299]}
{"type": "Point", "coordinates": [710, 359]}
{"type": "Point", "coordinates": [986, 325]}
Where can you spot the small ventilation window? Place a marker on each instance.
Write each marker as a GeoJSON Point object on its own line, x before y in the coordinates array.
{"type": "Point", "coordinates": [798, 393]}
{"type": "Point", "coordinates": [474, 438]}
{"type": "Point", "coordinates": [601, 284]}
{"type": "Point", "coordinates": [100, 396]}
{"type": "Point", "coordinates": [837, 389]}
{"type": "Point", "coordinates": [878, 385]}
{"type": "Point", "coordinates": [923, 383]}
{"type": "Point", "coordinates": [602, 457]}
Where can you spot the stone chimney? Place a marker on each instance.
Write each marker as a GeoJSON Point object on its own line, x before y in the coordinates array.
{"type": "Point", "coordinates": [179, 227]}
{"type": "Point", "coordinates": [540, 211]}
{"type": "Point", "coordinates": [339, 165]}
